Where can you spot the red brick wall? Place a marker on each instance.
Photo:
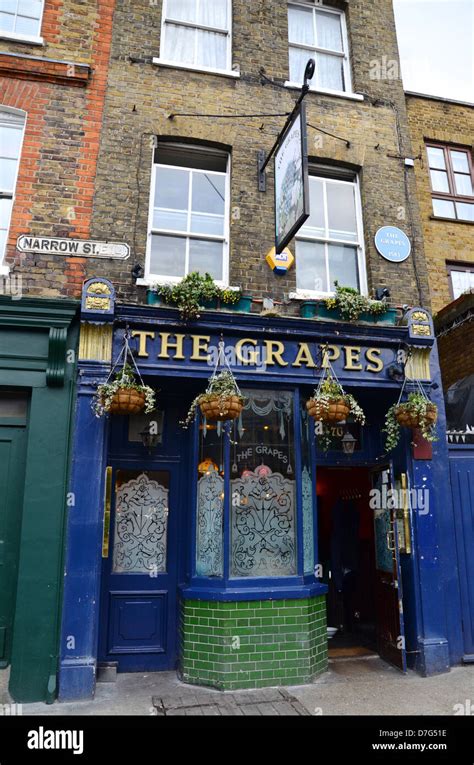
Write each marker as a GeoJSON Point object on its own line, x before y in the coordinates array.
{"type": "Point", "coordinates": [64, 106]}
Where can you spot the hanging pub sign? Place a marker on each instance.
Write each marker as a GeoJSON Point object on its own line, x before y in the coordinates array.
{"type": "Point", "coordinates": [291, 180]}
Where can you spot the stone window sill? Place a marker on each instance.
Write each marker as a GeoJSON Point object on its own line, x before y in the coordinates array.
{"type": "Point", "coordinates": [26, 39]}
{"type": "Point", "coordinates": [191, 68]}
{"type": "Point", "coordinates": [328, 92]}
{"type": "Point", "coordinates": [451, 220]}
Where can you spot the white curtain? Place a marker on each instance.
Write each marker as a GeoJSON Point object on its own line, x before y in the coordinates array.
{"type": "Point", "coordinates": [300, 26]}
{"type": "Point", "coordinates": [179, 44]}
{"type": "Point", "coordinates": [329, 72]}
{"type": "Point", "coordinates": [213, 13]}
{"type": "Point", "coordinates": [211, 49]}
{"type": "Point", "coordinates": [328, 30]}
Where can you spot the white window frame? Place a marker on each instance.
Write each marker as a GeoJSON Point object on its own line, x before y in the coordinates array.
{"type": "Point", "coordinates": [327, 240]}
{"type": "Point", "coordinates": [20, 115]}
{"type": "Point", "coordinates": [153, 278]}
{"type": "Point", "coordinates": [162, 61]}
{"type": "Point", "coordinates": [314, 6]}
{"type": "Point", "coordinates": [22, 38]}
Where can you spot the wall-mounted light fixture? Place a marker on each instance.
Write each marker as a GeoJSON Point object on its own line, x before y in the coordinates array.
{"type": "Point", "coordinates": [348, 443]}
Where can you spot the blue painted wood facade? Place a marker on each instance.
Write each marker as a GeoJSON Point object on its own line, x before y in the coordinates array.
{"type": "Point", "coordinates": [432, 595]}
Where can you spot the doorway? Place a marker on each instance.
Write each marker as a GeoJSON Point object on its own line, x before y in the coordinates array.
{"type": "Point", "coordinates": [361, 566]}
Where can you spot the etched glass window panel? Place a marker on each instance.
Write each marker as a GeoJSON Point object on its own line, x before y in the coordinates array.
{"type": "Point", "coordinates": [141, 522]}
{"type": "Point", "coordinates": [460, 162]}
{"type": "Point", "coordinates": [168, 255]}
{"type": "Point", "coordinates": [343, 266]}
{"type": "Point", "coordinates": [307, 493]}
{"type": "Point", "coordinates": [263, 496]}
{"type": "Point", "coordinates": [328, 31]}
{"type": "Point", "coordinates": [342, 219]}
{"type": "Point", "coordinates": [210, 503]}
{"type": "Point", "coordinates": [436, 158]}
{"type": "Point", "coordinates": [300, 26]}
{"type": "Point", "coordinates": [311, 266]}
{"type": "Point", "coordinates": [330, 72]}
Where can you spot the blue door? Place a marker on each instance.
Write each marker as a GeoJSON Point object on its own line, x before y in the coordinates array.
{"type": "Point", "coordinates": [139, 574]}
{"type": "Point", "coordinates": [462, 482]}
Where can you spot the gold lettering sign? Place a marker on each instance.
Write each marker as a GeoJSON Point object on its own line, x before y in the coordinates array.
{"type": "Point", "coordinates": [250, 352]}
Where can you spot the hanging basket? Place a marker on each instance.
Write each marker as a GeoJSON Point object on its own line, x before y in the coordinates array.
{"type": "Point", "coordinates": [406, 417]}
{"type": "Point", "coordinates": [127, 401]}
{"type": "Point", "coordinates": [334, 411]}
{"type": "Point", "coordinates": [221, 408]}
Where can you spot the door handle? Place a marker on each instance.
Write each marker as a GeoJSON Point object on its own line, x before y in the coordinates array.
{"type": "Point", "coordinates": [390, 536]}
{"type": "Point", "coordinates": [107, 503]}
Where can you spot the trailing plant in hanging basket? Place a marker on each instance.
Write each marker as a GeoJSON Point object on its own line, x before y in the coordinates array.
{"type": "Point", "coordinates": [123, 395]}
{"type": "Point", "coordinates": [222, 400]}
{"type": "Point", "coordinates": [330, 403]}
{"type": "Point", "coordinates": [351, 304]}
{"type": "Point", "coordinates": [417, 412]}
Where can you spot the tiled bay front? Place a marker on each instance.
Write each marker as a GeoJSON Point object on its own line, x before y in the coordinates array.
{"type": "Point", "coordinates": [250, 644]}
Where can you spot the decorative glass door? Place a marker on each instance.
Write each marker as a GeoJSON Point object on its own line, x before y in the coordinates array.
{"type": "Point", "coordinates": [138, 626]}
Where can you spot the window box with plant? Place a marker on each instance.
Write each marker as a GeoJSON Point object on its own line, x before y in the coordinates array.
{"type": "Point", "coordinates": [347, 304]}
{"type": "Point", "coordinates": [194, 293]}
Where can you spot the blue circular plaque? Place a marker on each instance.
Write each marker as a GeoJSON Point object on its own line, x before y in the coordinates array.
{"type": "Point", "coordinates": [393, 244]}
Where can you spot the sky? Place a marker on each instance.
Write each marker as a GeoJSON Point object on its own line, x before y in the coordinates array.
{"type": "Point", "coordinates": [436, 42]}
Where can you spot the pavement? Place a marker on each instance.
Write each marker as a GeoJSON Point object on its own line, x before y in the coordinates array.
{"type": "Point", "coordinates": [362, 686]}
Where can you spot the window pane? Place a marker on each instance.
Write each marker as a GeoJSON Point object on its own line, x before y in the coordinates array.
{"type": "Point", "coordinates": [3, 240]}
{"type": "Point", "coordinates": [329, 71]}
{"type": "Point", "coordinates": [263, 507]}
{"type": "Point", "coordinates": [459, 161]}
{"type": "Point", "coordinates": [213, 13]}
{"type": "Point", "coordinates": [298, 60]}
{"type": "Point", "coordinates": [26, 26]}
{"type": "Point", "coordinates": [463, 184]}
{"type": "Point", "coordinates": [311, 266]}
{"type": "Point", "coordinates": [443, 208]}
{"type": "Point", "coordinates": [179, 44]}
{"type": "Point", "coordinates": [436, 158]}
{"type": "Point", "coordinates": [439, 181]}
{"type": "Point", "coordinates": [172, 191]}
{"type": "Point", "coordinates": [315, 225]}
{"type": "Point", "coordinates": [343, 266]}
{"type": "Point", "coordinates": [5, 210]}
{"type": "Point", "coordinates": [342, 219]}
{"type": "Point", "coordinates": [30, 8]}
{"type": "Point", "coordinates": [7, 22]}
{"type": "Point", "coordinates": [208, 204]}
{"type": "Point", "coordinates": [8, 6]}
{"type": "Point", "coordinates": [10, 141]}
{"type": "Point", "coordinates": [328, 31]}
{"type": "Point", "coordinates": [168, 255]}
{"type": "Point", "coordinates": [211, 49]}
{"type": "Point", "coordinates": [141, 522]}
{"type": "Point", "coordinates": [462, 281]}
{"type": "Point", "coordinates": [182, 10]}
{"type": "Point", "coordinates": [210, 504]}
{"type": "Point", "coordinates": [465, 211]}
{"type": "Point", "coordinates": [300, 26]}
{"type": "Point", "coordinates": [206, 257]}
{"type": "Point", "coordinates": [7, 174]}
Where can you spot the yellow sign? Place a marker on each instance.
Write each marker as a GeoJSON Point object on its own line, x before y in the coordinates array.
{"type": "Point", "coordinates": [280, 263]}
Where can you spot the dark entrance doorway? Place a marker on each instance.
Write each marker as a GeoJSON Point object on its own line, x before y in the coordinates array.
{"type": "Point", "coordinates": [360, 565]}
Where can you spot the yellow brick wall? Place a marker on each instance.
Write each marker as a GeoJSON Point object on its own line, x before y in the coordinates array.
{"type": "Point", "coordinates": [445, 122]}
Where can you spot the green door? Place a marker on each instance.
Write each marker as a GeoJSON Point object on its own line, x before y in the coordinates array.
{"type": "Point", "coordinates": [12, 468]}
